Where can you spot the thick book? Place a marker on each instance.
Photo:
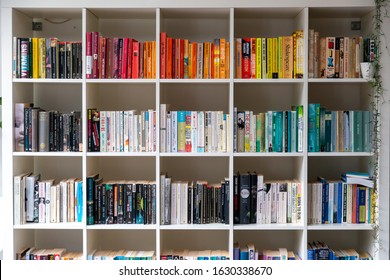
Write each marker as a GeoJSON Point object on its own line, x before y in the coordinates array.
{"type": "Point", "coordinates": [244, 198]}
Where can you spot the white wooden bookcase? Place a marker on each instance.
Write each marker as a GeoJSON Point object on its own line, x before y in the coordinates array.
{"type": "Point", "coordinates": [197, 20]}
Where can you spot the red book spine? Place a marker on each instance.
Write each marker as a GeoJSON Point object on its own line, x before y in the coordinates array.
{"type": "Point", "coordinates": [115, 61]}
{"type": "Point", "coordinates": [246, 58]}
{"type": "Point", "coordinates": [95, 48]}
{"type": "Point", "coordinates": [173, 58]}
{"type": "Point", "coordinates": [181, 62]}
{"type": "Point", "coordinates": [129, 58]}
{"type": "Point", "coordinates": [109, 58]}
{"type": "Point", "coordinates": [163, 47]}
{"type": "Point", "coordinates": [135, 61]}
{"type": "Point", "coordinates": [120, 57]}
{"type": "Point", "coordinates": [141, 55]}
{"type": "Point", "coordinates": [169, 58]}
{"type": "Point", "coordinates": [124, 58]}
{"type": "Point", "coordinates": [88, 68]}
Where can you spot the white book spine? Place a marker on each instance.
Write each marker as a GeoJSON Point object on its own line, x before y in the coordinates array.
{"type": "Point", "coordinates": [252, 132]}
{"type": "Point", "coordinates": [126, 131]}
{"type": "Point", "coordinates": [103, 131]}
{"type": "Point", "coordinates": [17, 200]}
{"type": "Point", "coordinates": [194, 131]}
{"type": "Point", "coordinates": [53, 204]}
{"type": "Point", "coordinates": [234, 129]}
{"type": "Point", "coordinates": [227, 133]}
{"type": "Point", "coordinates": [260, 199]}
{"type": "Point", "coordinates": [289, 202]}
{"type": "Point", "coordinates": [41, 202]}
{"type": "Point", "coordinates": [169, 133]}
{"type": "Point", "coordinates": [64, 202]}
{"type": "Point", "coordinates": [163, 128]}
{"type": "Point", "coordinates": [201, 128]}
{"type": "Point", "coordinates": [48, 201]}
{"type": "Point", "coordinates": [151, 131]}
{"type": "Point", "coordinates": [174, 131]}
{"type": "Point", "coordinates": [131, 131]}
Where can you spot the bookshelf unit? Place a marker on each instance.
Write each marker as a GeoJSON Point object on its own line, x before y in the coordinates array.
{"type": "Point", "coordinates": [198, 21]}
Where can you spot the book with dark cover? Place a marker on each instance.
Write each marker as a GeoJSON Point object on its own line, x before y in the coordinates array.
{"type": "Point", "coordinates": [43, 135]}
{"type": "Point", "coordinates": [109, 203]}
{"type": "Point", "coordinates": [128, 203]}
{"type": "Point", "coordinates": [236, 196]}
{"type": "Point", "coordinates": [253, 197]}
{"type": "Point", "coordinates": [90, 198]}
{"type": "Point", "coordinates": [245, 198]}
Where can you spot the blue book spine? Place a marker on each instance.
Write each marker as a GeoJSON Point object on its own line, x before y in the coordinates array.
{"type": "Point", "coordinates": [317, 127]}
{"type": "Point", "coordinates": [340, 203]}
{"type": "Point", "coordinates": [80, 200]}
{"type": "Point", "coordinates": [236, 253]}
{"type": "Point", "coordinates": [244, 255]}
{"type": "Point", "coordinates": [288, 131]}
{"type": "Point", "coordinates": [325, 202]}
{"type": "Point", "coordinates": [279, 131]}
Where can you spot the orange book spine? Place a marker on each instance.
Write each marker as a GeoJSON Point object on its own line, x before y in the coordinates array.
{"type": "Point", "coordinates": [206, 61]}
{"type": "Point", "coordinates": [154, 59]}
{"type": "Point", "coordinates": [222, 58]}
{"type": "Point", "coordinates": [216, 62]}
{"type": "Point", "coordinates": [194, 56]}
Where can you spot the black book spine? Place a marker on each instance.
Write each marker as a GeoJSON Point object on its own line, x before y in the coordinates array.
{"type": "Point", "coordinates": [227, 201]}
{"type": "Point", "coordinates": [120, 204]}
{"type": "Point", "coordinates": [51, 131]}
{"type": "Point", "coordinates": [245, 201]}
{"type": "Point", "coordinates": [61, 132]}
{"type": "Point", "coordinates": [134, 204]}
{"type": "Point", "coordinates": [109, 204]}
{"type": "Point", "coordinates": [26, 129]}
{"type": "Point", "coordinates": [223, 194]}
{"type": "Point", "coordinates": [103, 212]}
{"type": "Point", "coordinates": [74, 60]}
{"type": "Point", "coordinates": [253, 198]}
{"type": "Point", "coordinates": [189, 204]}
{"type": "Point", "coordinates": [236, 198]}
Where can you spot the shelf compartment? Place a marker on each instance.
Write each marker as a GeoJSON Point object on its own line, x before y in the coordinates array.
{"type": "Point", "coordinates": [210, 169]}
{"type": "Point", "coordinates": [113, 239]}
{"type": "Point", "coordinates": [118, 168]}
{"type": "Point", "coordinates": [49, 167]}
{"type": "Point", "coordinates": [273, 168]}
{"type": "Point", "coordinates": [262, 97]}
{"type": "Point", "coordinates": [194, 239]}
{"type": "Point", "coordinates": [292, 240]}
{"type": "Point", "coordinates": [331, 168]}
{"type": "Point", "coordinates": [360, 240]}
{"type": "Point", "coordinates": [121, 96]}
{"type": "Point", "coordinates": [196, 25]}
{"type": "Point", "coordinates": [139, 24]}
{"type": "Point", "coordinates": [70, 239]}
{"type": "Point", "coordinates": [349, 96]}
{"type": "Point", "coordinates": [195, 97]}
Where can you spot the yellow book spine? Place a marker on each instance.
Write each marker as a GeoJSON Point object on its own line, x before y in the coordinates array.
{"type": "Point", "coordinates": [275, 59]}
{"type": "Point", "coordinates": [258, 58]}
{"type": "Point", "coordinates": [190, 60]}
{"type": "Point", "coordinates": [295, 54]}
{"type": "Point", "coordinates": [222, 58]}
{"type": "Point", "coordinates": [227, 74]}
{"type": "Point", "coordinates": [206, 61]}
{"type": "Point", "coordinates": [35, 55]}
{"type": "Point", "coordinates": [216, 62]}
{"type": "Point", "coordinates": [42, 58]}
{"type": "Point", "coordinates": [280, 56]}
{"type": "Point", "coordinates": [269, 58]}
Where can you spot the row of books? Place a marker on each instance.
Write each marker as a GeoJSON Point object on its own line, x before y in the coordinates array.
{"type": "Point", "coordinates": [250, 252]}
{"type": "Point", "coordinates": [120, 202]}
{"type": "Point", "coordinates": [196, 202]}
{"type": "Point", "coordinates": [338, 131]}
{"type": "Point", "coordinates": [338, 57]}
{"type": "Point", "coordinates": [55, 254]}
{"type": "Point", "coordinates": [172, 254]}
{"type": "Point", "coordinates": [119, 57]}
{"type": "Point", "coordinates": [38, 130]}
{"type": "Point", "coordinates": [257, 201]}
{"type": "Point", "coordinates": [46, 58]}
{"type": "Point", "coordinates": [121, 255]}
{"type": "Point", "coordinates": [270, 58]}
{"type": "Point", "coordinates": [47, 201]}
{"type": "Point", "coordinates": [271, 131]}
{"type": "Point", "coordinates": [121, 131]}
{"type": "Point", "coordinates": [337, 202]}
{"type": "Point", "coordinates": [182, 59]}
{"type": "Point", "coordinates": [317, 250]}
{"type": "Point", "coordinates": [194, 131]}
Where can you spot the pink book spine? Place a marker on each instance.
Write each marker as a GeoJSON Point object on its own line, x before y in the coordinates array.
{"type": "Point", "coordinates": [95, 48]}
{"type": "Point", "coordinates": [135, 61]}
{"type": "Point", "coordinates": [88, 65]}
{"type": "Point", "coordinates": [163, 51]}
{"type": "Point", "coordinates": [124, 57]}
